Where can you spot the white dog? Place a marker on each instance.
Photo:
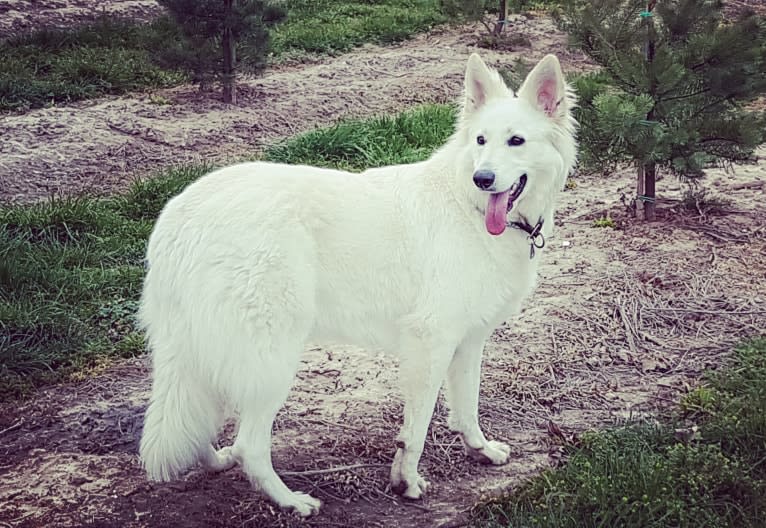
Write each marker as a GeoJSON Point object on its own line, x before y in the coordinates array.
{"type": "Point", "coordinates": [253, 261]}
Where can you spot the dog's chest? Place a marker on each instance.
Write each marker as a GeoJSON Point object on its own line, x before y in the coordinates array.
{"type": "Point", "coordinates": [493, 289]}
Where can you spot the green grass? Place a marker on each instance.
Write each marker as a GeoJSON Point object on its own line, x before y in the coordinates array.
{"type": "Point", "coordinates": [113, 57]}
{"type": "Point", "coordinates": [331, 27]}
{"type": "Point", "coordinates": [605, 222]}
{"type": "Point", "coordinates": [71, 270]}
{"type": "Point", "coordinates": [705, 466]}
{"type": "Point", "coordinates": [359, 144]}
{"type": "Point", "coordinates": [107, 57]}
{"type": "Point", "coordinates": [70, 273]}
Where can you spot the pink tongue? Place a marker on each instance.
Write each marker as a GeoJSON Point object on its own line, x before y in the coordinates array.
{"type": "Point", "coordinates": [497, 209]}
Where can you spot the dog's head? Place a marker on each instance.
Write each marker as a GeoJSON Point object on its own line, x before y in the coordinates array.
{"type": "Point", "coordinates": [521, 146]}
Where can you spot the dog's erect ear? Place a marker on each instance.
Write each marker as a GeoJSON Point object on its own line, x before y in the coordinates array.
{"type": "Point", "coordinates": [481, 85]}
{"type": "Point", "coordinates": [545, 88]}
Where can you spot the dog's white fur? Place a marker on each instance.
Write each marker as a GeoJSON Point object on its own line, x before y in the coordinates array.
{"type": "Point", "coordinates": [252, 261]}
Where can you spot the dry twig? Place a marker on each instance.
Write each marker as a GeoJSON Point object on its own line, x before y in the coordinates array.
{"type": "Point", "coordinates": [329, 470]}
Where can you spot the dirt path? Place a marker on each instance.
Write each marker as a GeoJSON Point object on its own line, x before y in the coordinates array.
{"type": "Point", "coordinates": [621, 322]}
{"type": "Point", "coordinates": [19, 16]}
{"type": "Point", "coordinates": [97, 146]}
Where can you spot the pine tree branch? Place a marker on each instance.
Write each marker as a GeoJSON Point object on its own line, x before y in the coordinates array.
{"type": "Point", "coordinates": [719, 140]}
{"type": "Point", "coordinates": [630, 14]}
{"type": "Point", "coordinates": [702, 64]}
{"type": "Point", "coordinates": [484, 23]}
{"type": "Point", "coordinates": [705, 108]}
{"type": "Point", "coordinates": [683, 96]}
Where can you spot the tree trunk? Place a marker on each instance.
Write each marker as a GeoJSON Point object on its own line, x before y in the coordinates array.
{"type": "Point", "coordinates": [645, 191]}
{"type": "Point", "coordinates": [229, 58]}
{"type": "Point", "coordinates": [650, 176]}
{"type": "Point", "coordinates": [502, 15]}
{"type": "Point", "coordinates": [647, 173]}
{"type": "Point", "coordinates": [638, 210]}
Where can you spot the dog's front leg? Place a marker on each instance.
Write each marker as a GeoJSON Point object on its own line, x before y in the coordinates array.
{"type": "Point", "coordinates": [422, 372]}
{"type": "Point", "coordinates": [462, 391]}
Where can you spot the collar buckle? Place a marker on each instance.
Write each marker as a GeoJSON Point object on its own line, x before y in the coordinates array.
{"type": "Point", "coordinates": [534, 234]}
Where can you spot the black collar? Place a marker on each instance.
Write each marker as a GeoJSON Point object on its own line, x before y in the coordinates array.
{"type": "Point", "coordinates": [534, 233]}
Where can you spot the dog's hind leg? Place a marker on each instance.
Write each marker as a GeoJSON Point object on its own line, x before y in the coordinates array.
{"type": "Point", "coordinates": [252, 447]}
{"type": "Point", "coordinates": [422, 370]}
{"type": "Point", "coordinates": [462, 391]}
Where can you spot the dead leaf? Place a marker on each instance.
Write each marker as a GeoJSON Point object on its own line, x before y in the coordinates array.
{"type": "Point", "coordinates": [687, 434]}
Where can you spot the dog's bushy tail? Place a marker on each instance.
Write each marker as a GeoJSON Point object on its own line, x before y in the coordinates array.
{"type": "Point", "coordinates": [180, 422]}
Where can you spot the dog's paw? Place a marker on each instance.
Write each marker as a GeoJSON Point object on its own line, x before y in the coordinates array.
{"type": "Point", "coordinates": [493, 453]}
{"type": "Point", "coordinates": [406, 481]}
{"type": "Point", "coordinates": [302, 503]}
{"type": "Point", "coordinates": [414, 490]}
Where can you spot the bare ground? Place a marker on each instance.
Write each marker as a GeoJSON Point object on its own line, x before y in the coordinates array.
{"type": "Point", "coordinates": [98, 146]}
{"type": "Point", "coordinates": [21, 16]}
{"type": "Point", "coordinates": [622, 321]}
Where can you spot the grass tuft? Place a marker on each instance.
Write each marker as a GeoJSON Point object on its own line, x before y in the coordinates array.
{"type": "Point", "coordinates": [605, 222]}
{"type": "Point", "coordinates": [358, 144]}
{"type": "Point", "coordinates": [146, 197]}
{"type": "Point", "coordinates": [62, 264]}
{"type": "Point", "coordinates": [331, 27]}
{"type": "Point", "coordinates": [70, 276]}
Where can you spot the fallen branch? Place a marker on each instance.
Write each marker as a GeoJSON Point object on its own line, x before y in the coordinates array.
{"type": "Point", "coordinates": [12, 427]}
{"type": "Point", "coordinates": [328, 470]}
{"type": "Point", "coordinates": [757, 184]}
{"type": "Point", "coordinates": [628, 329]}
{"type": "Point", "coordinates": [138, 135]}
{"type": "Point", "coordinates": [398, 75]}
{"type": "Point", "coordinates": [711, 312]}
{"type": "Point", "coordinates": [716, 233]}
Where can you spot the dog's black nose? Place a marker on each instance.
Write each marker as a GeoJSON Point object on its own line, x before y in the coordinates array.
{"type": "Point", "coordinates": [484, 179]}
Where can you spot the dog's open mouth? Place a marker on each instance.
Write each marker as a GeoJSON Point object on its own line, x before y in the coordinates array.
{"type": "Point", "coordinates": [500, 204]}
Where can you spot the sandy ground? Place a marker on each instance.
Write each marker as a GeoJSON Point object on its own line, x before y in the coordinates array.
{"type": "Point", "coordinates": [20, 16]}
{"type": "Point", "coordinates": [622, 322]}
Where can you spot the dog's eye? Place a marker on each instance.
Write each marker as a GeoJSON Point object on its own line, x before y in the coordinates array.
{"type": "Point", "coordinates": [515, 141]}
{"type": "Point", "coordinates": [480, 140]}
